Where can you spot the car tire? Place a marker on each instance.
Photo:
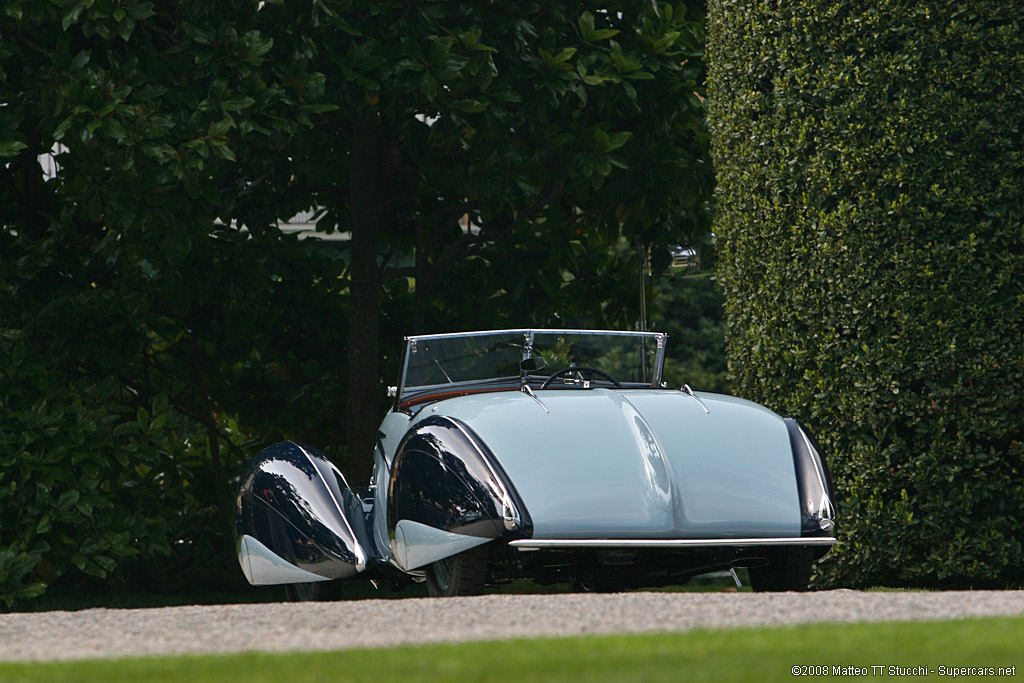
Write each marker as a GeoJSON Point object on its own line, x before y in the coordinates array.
{"type": "Point", "coordinates": [786, 571]}
{"type": "Point", "coordinates": [317, 591]}
{"type": "Point", "coordinates": [462, 574]}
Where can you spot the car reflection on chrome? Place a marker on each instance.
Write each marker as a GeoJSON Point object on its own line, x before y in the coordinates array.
{"type": "Point", "coordinates": [557, 456]}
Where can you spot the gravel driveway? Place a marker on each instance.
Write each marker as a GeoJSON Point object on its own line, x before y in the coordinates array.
{"type": "Point", "coordinates": [379, 623]}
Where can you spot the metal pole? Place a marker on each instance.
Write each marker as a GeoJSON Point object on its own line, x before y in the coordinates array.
{"type": "Point", "coordinates": [643, 285]}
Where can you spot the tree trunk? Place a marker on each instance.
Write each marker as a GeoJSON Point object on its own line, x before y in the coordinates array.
{"type": "Point", "coordinates": [365, 171]}
{"type": "Point", "coordinates": [419, 315]}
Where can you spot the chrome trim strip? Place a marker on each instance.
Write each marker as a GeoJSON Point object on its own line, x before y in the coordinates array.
{"type": "Point", "coordinates": [568, 543]}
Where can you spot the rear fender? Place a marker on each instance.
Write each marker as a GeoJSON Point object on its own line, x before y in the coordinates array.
{"type": "Point", "coordinates": [814, 484]}
{"type": "Point", "coordinates": [297, 520]}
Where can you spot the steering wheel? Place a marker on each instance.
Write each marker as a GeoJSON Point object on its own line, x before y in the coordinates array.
{"type": "Point", "coordinates": [581, 368]}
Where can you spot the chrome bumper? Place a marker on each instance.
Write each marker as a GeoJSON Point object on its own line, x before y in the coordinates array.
{"type": "Point", "coordinates": [665, 543]}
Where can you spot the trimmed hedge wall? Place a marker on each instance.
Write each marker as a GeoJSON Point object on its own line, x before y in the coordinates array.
{"type": "Point", "coordinates": [870, 159]}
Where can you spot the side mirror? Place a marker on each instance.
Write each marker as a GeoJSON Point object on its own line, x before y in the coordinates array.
{"type": "Point", "coordinates": [528, 365]}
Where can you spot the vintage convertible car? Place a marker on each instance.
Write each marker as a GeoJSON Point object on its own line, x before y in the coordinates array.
{"type": "Point", "coordinates": [552, 455]}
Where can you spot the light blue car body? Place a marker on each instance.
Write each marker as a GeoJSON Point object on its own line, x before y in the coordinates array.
{"type": "Point", "coordinates": [638, 463]}
{"type": "Point", "coordinates": [572, 467]}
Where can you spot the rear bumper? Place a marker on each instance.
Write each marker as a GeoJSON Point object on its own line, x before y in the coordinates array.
{"type": "Point", "coordinates": [667, 543]}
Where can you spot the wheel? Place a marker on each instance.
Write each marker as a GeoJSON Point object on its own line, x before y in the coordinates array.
{"type": "Point", "coordinates": [317, 591]}
{"type": "Point", "coordinates": [595, 585]}
{"type": "Point", "coordinates": [580, 368]}
{"type": "Point", "coordinates": [786, 571]}
{"type": "Point", "coordinates": [462, 574]}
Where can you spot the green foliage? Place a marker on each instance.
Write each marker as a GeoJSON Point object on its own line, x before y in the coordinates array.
{"type": "Point", "coordinates": [500, 166]}
{"type": "Point", "coordinates": [689, 310]}
{"type": "Point", "coordinates": [554, 129]}
{"type": "Point", "coordinates": [492, 168]}
{"type": "Point", "coordinates": [870, 163]}
{"type": "Point", "coordinates": [83, 480]}
{"type": "Point", "coordinates": [133, 325]}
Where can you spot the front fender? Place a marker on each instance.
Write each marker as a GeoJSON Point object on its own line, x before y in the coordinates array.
{"type": "Point", "coordinates": [297, 520]}
{"type": "Point", "coordinates": [448, 493]}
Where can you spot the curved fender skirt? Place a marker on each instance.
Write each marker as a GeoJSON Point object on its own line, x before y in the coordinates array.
{"type": "Point", "coordinates": [418, 544]}
{"type": "Point", "coordinates": [264, 568]}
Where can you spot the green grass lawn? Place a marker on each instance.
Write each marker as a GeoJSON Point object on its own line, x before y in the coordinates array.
{"type": "Point", "coordinates": [764, 654]}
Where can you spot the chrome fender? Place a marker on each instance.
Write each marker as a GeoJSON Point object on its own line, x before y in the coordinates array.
{"type": "Point", "coordinates": [447, 494]}
{"type": "Point", "coordinates": [297, 520]}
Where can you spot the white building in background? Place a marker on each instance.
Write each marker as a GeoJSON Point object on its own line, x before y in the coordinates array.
{"type": "Point", "coordinates": [302, 224]}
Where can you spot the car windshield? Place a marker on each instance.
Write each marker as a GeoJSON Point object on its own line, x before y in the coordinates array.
{"type": "Point", "coordinates": [440, 363]}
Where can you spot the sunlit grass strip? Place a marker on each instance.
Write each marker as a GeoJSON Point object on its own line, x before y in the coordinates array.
{"type": "Point", "coordinates": [764, 654]}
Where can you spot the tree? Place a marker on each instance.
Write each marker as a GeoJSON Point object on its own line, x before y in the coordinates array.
{"type": "Point", "coordinates": [489, 162]}
{"type": "Point", "coordinates": [869, 163]}
{"type": "Point", "coordinates": [689, 310]}
{"type": "Point", "coordinates": [496, 142]}
{"type": "Point", "coordinates": [131, 319]}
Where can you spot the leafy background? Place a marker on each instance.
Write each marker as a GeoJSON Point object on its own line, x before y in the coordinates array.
{"type": "Point", "coordinates": [487, 166]}
{"type": "Point", "coordinates": [869, 213]}
{"type": "Point", "coordinates": [490, 166]}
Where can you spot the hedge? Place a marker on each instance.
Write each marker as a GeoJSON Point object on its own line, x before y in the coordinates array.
{"type": "Point", "coordinates": [84, 483]}
{"type": "Point", "coordinates": [870, 160]}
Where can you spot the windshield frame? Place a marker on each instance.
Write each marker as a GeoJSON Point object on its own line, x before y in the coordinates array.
{"type": "Point", "coordinates": [430, 393]}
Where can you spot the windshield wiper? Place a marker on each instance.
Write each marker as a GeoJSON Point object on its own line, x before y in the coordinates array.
{"type": "Point", "coordinates": [689, 392]}
{"type": "Point", "coordinates": [427, 349]}
{"type": "Point", "coordinates": [525, 367]}
{"type": "Point", "coordinates": [529, 392]}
